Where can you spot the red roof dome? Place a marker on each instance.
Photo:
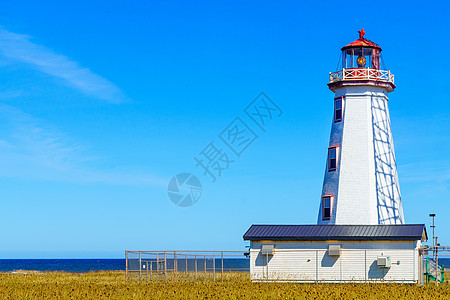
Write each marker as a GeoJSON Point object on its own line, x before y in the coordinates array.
{"type": "Point", "coordinates": [362, 42]}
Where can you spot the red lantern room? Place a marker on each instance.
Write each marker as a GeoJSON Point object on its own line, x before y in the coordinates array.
{"type": "Point", "coordinates": [361, 66]}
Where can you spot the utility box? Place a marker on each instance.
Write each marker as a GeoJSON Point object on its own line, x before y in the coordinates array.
{"type": "Point", "coordinates": [384, 261]}
{"type": "Point", "coordinates": [334, 250]}
{"type": "Point", "coordinates": [267, 249]}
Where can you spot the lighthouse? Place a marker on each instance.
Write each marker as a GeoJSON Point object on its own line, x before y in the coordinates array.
{"type": "Point", "coordinates": [361, 184]}
{"type": "Point", "coordinates": [360, 235]}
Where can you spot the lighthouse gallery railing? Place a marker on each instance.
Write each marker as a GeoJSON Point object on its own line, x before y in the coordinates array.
{"type": "Point", "coordinates": [362, 73]}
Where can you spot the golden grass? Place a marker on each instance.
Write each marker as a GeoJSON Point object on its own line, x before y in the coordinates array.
{"type": "Point", "coordinates": [112, 285]}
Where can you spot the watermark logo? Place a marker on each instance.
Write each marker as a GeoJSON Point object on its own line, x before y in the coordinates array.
{"type": "Point", "coordinates": [262, 110]}
{"type": "Point", "coordinates": [214, 159]}
{"type": "Point", "coordinates": [238, 136]}
{"type": "Point", "coordinates": [184, 189]}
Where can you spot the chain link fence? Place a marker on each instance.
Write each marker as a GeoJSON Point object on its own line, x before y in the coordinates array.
{"type": "Point", "coordinates": [436, 264]}
{"type": "Point", "coordinates": [152, 266]}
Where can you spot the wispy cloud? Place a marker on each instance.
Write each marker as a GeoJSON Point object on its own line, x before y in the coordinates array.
{"type": "Point", "coordinates": [32, 149]}
{"type": "Point", "coordinates": [19, 47]}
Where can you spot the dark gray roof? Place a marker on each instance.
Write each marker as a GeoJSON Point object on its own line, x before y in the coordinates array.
{"type": "Point", "coordinates": [336, 232]}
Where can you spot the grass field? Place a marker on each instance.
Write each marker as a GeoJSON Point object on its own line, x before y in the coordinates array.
{"type": "Point", "coordinates": [112, 285]}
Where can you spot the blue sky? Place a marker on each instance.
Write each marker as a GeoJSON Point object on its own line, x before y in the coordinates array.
{"type": "Point", "coordinates": [102, 102]}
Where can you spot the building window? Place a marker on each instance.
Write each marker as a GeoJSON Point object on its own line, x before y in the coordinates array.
{"type": "Point", "coordinates": [332, 158]}
{"type": "Point", "coordinates": [326, 207]}
{"type": "Point", "coordinates": [338, 109]}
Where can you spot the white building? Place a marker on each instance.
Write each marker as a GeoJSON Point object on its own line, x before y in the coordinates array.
{"type": "Point", "coordinates": [361, 183]}
{"type": "Point", "coordinates": [336, 253]}
{"type": "Point", "coordinates": [360, 234]}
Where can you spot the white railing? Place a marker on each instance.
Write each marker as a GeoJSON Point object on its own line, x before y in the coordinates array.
{"type": "Point", "coordinates": [362, 74]}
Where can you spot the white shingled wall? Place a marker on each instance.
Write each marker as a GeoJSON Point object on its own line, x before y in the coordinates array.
{"type": "Point", "coordinates": [309, 261]}
{"type": "Point", "coordinates": [366, 174]}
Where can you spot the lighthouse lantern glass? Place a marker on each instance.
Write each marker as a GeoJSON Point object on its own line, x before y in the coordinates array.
{"type": "Point", "coordinates": [360, 57]}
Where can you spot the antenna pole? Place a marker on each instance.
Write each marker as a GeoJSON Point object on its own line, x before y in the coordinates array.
{"type": "Point", "coordinates": [434, 246]}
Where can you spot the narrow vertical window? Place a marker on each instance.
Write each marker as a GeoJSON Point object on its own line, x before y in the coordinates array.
{"type": "Point", "coordinates": [332, 158]}
{"type": "Point", "coordinates": [326, 207]}
{"type": "Point", "coordinates": [338, 109]}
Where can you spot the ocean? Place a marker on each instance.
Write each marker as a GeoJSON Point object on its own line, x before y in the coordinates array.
{"type": "Point", "coordinates": [69, 265]}
{"type": "Point", "coordinates": [86, 265]}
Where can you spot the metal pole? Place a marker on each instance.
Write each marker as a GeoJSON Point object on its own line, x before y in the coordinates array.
{"type": "Point", "coordinates": [214, 267]}
{"type": "Point", "coordinates": [196, 267]}
{"type": "Point", "coordinates": [437, 259]}
{"type": "Point", "coordinates": [175, 262]}
{"type": "Point", "coordinates": [126, 266]}
{"type": "Point", "coordinates": [140, 266]}
{"type": "Point", "coordinates": [165, 267]}
{"type": "Point", "coordinates": [434, 244]}
{"type": "Point", "coordinates": [419, 267]}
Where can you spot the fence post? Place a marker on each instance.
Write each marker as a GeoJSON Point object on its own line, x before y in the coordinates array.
{"type": "Point", "coordinates": [140, 266]}
{"type": "Point", "coordinates": [165, 267]}
{"type": "Point", "coordinates": [214, 266]}
{"type": "Point", "coordinates": [126, 266]}
{"type": "Point", "coordinates": [419, 267]}
{"type": "Point", "coordinates": [147, 269]}
{"type": "Point", "coordinates": [437, 265]}
{"type": "Point", "coordinates": [221, 254]}
{"type": "Point", "coordinates": [185, 256]}
{"type": "Point", "coordinates": [175, 262]}
{"type": "Point", "coordinates": [195, 267]}
{"type": "Point", "coordinates": [157, 266]}
{"type": "Point", "coordinates": [205, 262]}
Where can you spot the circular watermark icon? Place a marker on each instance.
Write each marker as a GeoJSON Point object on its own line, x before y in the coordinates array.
{"type": "Point", "coordinates": [184, 189]}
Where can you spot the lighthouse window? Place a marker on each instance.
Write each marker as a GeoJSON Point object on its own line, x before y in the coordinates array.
{"type": "Point", "coordinates": [326, 206]}
{"type": "Point", "coordinates": [332, 158]}
{"type": "Point", "coordinates": [338, 110]}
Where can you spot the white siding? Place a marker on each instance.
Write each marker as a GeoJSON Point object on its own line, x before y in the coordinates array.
{"type": "Point", "coordinates": [365, 183]}
{"type": "Point", "coordinates": [309, 261]}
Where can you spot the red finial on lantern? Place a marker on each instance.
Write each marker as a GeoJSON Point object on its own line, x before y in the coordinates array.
{"type": "Point", "coordinates": [361, 33]}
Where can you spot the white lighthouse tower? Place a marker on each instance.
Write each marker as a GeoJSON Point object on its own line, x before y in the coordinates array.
{"type": "Point", "coordinates": [361, 183]}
